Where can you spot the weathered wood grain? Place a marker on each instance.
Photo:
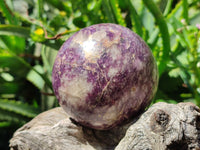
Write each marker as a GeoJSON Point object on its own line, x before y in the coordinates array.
{"type": "Point", "coordinates": [163, 126]}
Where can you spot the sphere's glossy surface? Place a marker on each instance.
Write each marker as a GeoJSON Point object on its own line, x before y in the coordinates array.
{"type": "Point", "coordinates": [103, 75]}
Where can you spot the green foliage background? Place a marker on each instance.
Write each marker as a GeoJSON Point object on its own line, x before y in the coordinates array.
{"type": "Point", "coordinates": [31, 32]}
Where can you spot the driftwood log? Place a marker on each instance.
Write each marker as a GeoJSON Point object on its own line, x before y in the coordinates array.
{"type": "Point", "coordinates": [162, 127]}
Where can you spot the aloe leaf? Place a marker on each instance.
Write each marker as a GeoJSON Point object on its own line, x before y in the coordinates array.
{"type": "Point", "coordinates": [176, 12]}
{"type": "Point", "coordinates": [8, 13]}
{"type": "Point", "coordinates": [44, 77]}
{"type": "Point", "coordinates": [56, 4]}
{"type": "Point", "coordinates": [9, 87]}
{"type": "Point", "coordinates": [182, 36]}
{"type": "Point", "coordinates": [164, 33]}
{"type": "Point", "coordinates": [108, 11]}
{"type": "Point", "coordinates": [4, 124]}
{"type": "Point", "coordinates": [11, 117]}
{"type": "Point", "coordinates": [25, 33]}
{"type": "Point", "coordinates": [19, 108]}
{"type": "Point", "coordinates": [40, 8]}
{"type": "Point", "coordinates": [135, 19]}
{"type": "Point", "coordinates": [35, 78]}
{"type": "Point", "coordinates": [168, 7]}
{"type": "Point", "coordinates": [55, 44]}
{"type": "Point", "coordinates": [14, 43]}
{"type": "Point", "coordinates": [185, 10]}
{"type": "Point", "coordinates": [48, 56]}
{"type": "Point", "coordinates": [14, 30]}
{"type": "Point", "coordinates": [117, 12]}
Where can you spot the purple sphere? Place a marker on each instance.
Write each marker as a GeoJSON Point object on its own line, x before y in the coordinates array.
{"type": "Point", "coordinates": [104, 75]}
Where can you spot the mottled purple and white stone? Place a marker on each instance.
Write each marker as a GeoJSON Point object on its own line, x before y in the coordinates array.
{"type": "Point", "coordinates": [104, 75]}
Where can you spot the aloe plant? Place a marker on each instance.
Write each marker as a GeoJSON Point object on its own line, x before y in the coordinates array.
{"type": "Point", "coordinates": [31, 33]}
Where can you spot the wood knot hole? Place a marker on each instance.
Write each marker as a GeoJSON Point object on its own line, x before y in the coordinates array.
{"type": "Point", "coordinates": [161, 117]}
{"type": "Point", "coordinates": [159, 121]}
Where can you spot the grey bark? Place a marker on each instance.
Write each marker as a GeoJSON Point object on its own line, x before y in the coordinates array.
{"type": "Point", "coordinates": [162, 127]}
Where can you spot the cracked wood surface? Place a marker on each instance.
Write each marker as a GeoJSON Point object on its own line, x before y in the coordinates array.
{"type": "Point", "coordinates": [162, 127]}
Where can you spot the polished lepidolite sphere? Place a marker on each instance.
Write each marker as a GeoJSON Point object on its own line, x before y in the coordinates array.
{"type": "Point", "coordinates": [104, 75]}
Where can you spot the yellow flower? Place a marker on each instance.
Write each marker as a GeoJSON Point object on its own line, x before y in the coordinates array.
{"type": "Point", "coordinates": [39, 31]}
{"type": "Point", "coordinates": [63, 13]}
